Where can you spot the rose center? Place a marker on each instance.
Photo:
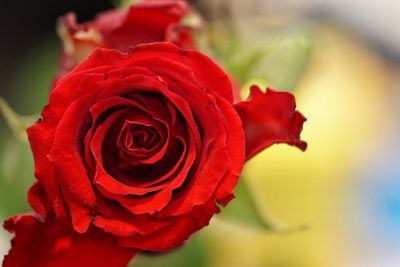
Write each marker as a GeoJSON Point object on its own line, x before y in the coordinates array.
{"type": "Point", "coordinates": [143, 137]}
{"type": "Point", "coordinates": [138, 138]}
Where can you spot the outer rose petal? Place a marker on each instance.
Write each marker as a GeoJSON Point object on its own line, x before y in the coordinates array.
{"type": "Point", "coordinates": [224, 191]}
{"type": "Point", "coordinates": [53, 244]}
{"type": "Point", "coordinates": [200, 65]}
{"type": "Point", "coordinates": [270, 118]}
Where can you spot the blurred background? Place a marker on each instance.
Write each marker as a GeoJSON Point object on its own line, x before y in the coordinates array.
{"type": "Point", "coordinates": [337, 204]}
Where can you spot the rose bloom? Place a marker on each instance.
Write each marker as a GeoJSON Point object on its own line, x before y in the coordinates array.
{"type": "Point", "coordinates": [144, 22]}
{"type": "Point", "coordinates": [137, 151]}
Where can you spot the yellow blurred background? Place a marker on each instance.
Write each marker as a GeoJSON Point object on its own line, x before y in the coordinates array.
{"type": "Point", "coordinates": [344, 93]}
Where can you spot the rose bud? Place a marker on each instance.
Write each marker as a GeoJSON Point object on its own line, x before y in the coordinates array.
{"type": "Point", "coordinates": [144, 22]}
{"type": "Point", "coordinates": [145, 146]}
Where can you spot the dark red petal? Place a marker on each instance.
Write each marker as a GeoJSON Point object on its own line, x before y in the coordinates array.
{"type": "Point", "coordinates": [54, 244]}
{"type": "Point", "coordinates": [110, 209]}
{"type": "Point", "coordinates": [270, 118]}
{"type": "Point", "coordinates": [129, 227]}
{"type": "Point", "coordinates": [141, 205]}
{"type": "Point", "coordinates": [175, 233]}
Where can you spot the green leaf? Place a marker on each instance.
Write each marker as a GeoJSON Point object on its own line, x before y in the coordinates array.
{"type": "Point", "coordinates": [17, 123]}
{"type": "Point", "coordinates": [36, 69]}
{"type": "Point", "coordinates": [244, 210]}
{"type": "Point", "coordinates": [280, 60]}
{"type": "Point", "coordinates": [242, 65]}
{"type": "Point", "coordinates": [16, 175]}
{"type": "Point", "coordinates": [284, 63]}
{"type": "Point", "coordinates": [221, 40]}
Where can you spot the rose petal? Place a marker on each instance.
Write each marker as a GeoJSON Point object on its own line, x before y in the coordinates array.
{"type": "Point", "coordinates": [49, 244]}
{"type": "Point", "coordinates": [81, 215]}
{"type": "Point", "coordinates": [65, 154]}
{"type": "Point", "coordinates": [270, 118]}
{"type": "Point", "coordinates": [37, 199]}
{"type": "Point", "coordinates": [236, 151]}
{"type": "Point", "coordinates": [175, 233]}
{"type": "Point", "coordinates": [217, 84]}
{"type": "Point", "coordinates": [129, 227]}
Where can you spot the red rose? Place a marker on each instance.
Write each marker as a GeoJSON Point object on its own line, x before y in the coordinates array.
{"type": "Point", "coordinates": [144, 22]}
{"type": "Point", "coordinates": [144, 145]}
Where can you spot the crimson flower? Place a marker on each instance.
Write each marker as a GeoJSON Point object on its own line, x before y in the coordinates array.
{"type": "Point", "coordinates": [137, 151]}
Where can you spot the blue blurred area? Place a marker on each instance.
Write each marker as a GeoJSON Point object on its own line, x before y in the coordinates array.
{"type": "Point", "coordinates": [372, 220]}
{"type": "Point", "coordinates": [383, 193]}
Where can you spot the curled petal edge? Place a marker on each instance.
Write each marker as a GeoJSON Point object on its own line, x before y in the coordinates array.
{"type": "Point", "coordinates": [270, 118]}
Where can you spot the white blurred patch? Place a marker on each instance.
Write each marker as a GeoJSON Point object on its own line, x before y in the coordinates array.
{"type": "Point", "coordinates": [4, 243]}
{"type": "Point", "coordinates": [377, 20]}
